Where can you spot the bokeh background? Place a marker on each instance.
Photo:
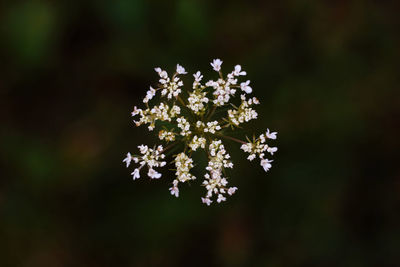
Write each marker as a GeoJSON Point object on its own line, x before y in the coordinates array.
{"type": "Point", "coordinates": [326, 72]}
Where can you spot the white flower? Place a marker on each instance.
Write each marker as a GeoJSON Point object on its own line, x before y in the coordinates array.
{"type": "Point", "coordinates": [153, 174]}
{"type": "Point", "coordinates": [208, 111]}
{"type": "Point", "coordinates": [216, 64]}
{"type": "Point", "coordinates": [166, 135]}
{"type": "Point", "coordinates": [175, 110]}
{"type": "Point", "coordinates": [135, 174]}
{"type": "Point", "coordinates": [212, 127]}
{"type": "Point", "coordinates": [183, 165]}
{"type": "Point", "coordinates": [128, 159]}
{"type": "Point", "coordinates": [151, 158]}
{"type": "Point", "coordinates": [180, 69]}
{"type": "Point", "coordinates": [143, 149]}
{"type": "Point", "coordinates": [163, 112]}
{"type": "Point", "coordinates": [214, 182]}
{"type": "Point", "coordinates": [170, 87]}
{"type": "Point", "coordinates": [174, 191]}
{"type": "Point", "coordinates": [197, 76]}
{"type": "Point", "coordinates": [232, 190]}
{"type": "Point", "coordinates": [200, 125]}
{"type": "Point", "coordinates": [135, 111]}
{"type": "Point", "coordinates": [258, 147]}
{"type": "Point", "coordinates": [272, 150]}
{"type": "Point", "coordinates": [197, 142]}
{"type": "Point", "coordinates": [197, 100]}
{"type": "Point", "coordinates": [247, 147]}
{"type": "Point", "coordinates": [251, 157]}
{"type": "Point", "coordinates": [244, 113]}
{"type": "Point", "coordinates": [206, 201]}
{"type": "Point", "coordinates": [245, 87]}
{"type": "Point", "coordinates": [212, 84]}
{"type": "Point", "coordinates": [221, 198]}
{"type": "Point", "coordinates": [271, 135]}
{"type": "Point", "coordinates": [184, 125]}
{"type": "Point", "coordinates": [162, 73]}
{"type": "Point", "coordinates": [266, 164]}
{"type": "Point", "coordinates": [149, 95]}
{"type": "Point", "coordinates": [223, 90]}
{"type": "Point", "coordinates": [238, 71]}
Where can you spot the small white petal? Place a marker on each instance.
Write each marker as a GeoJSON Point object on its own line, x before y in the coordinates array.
{"type": "Point", "coordinates": [245, 87]}
{"type": "Point", "coordinates": [136, 174]}
{"type": "Point", "coordinates": [272, 150]}
{"type": "Point", "coordinates": [206, 201]}
{"type": "Point", "coordinates": [180, 69]}
{"type": "Point", "coordinates": [128, 159]}
{"type": "Point", "coordinates": [197, 76]}
{"type": "Point", "coordinates": [216, 64]}
{"type": "Point", "coordinates": [232, 190]}
{"type": "Point", "coordinates": [174, 191]}
{"type": "Point", "coordinates": [153, 174]}
{"type": "Point", "coordinates": [271, 135]}
{"type": "Point", "coordinates": [266, 164]}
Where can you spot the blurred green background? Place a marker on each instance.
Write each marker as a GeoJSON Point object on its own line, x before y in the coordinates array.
{"type": "Point", "coordinates": [326, 73]}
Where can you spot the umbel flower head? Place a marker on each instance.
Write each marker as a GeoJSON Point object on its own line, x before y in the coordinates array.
{"type": "Point", "coordinates": [197, 119]}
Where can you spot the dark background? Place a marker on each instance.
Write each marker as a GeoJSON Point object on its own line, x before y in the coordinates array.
{"type": "Point", "coordinates": [326, 73]}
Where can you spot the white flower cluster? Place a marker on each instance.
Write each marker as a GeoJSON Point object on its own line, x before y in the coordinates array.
{"type": "Point", "coordinates": [224, 89]}
{"type": "Point", "coordinates": [197, 120]}
{"type": "Point", "coordinates": [183, 165]}
{"type": "Point", "coordinates": [149, 116]}
{"type": "Point", "coordinates": [166, 135]}
{"type": "Point", "coordinates": [170, 87]}
{"type": "Point", "coordinates": [244, 113]}
{"type": "Point", "coordinates": [150, 157]}
{"type": "Point", "coordinates": [196, 100]}
{"type": "Point", "coordinates": [209, 127]}
{"type": "Point", "coordinates": [197, 78]}
{"type": "Point", "coordinates": [258, 147]}
{"type": "Point", "coordinates": [214, 182]}
{"type": "Point", "coordinates": [212, 127]}
{"type": "Point", "coordinates": [184, 125]}
{"type": "Point", "coordinates": [150, 94]}
{"type": "Point", "coordinates": [197, 142]}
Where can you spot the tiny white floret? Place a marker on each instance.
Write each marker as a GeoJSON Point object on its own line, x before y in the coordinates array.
{"type": "Point", "coordinates": [216, 64]}
{"type": "Point", "coordinates": [245, 87]}
{"type": "Point", "coordinates": [128, 159]}
{"type": "Point", "coordinates": [153, 174]}
{"type": "Point", "coordinates": [271, 135]}
{"type": "Point", "coordinates": [135, 174]}
{"type": "Point", "coordinates": [180, 69]}
{"type": "Point", "coordinates": [266, 164]}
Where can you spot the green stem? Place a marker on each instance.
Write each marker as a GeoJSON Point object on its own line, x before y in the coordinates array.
{"type": "Point", "coordinates": [232, 138]}
{"type": "Point", "coordinates": [181, 101]}
{"type": "Point", "coordinates": [168, 147]}
{"type": "Point", "coordinates": [212, 112]}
